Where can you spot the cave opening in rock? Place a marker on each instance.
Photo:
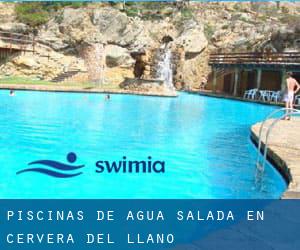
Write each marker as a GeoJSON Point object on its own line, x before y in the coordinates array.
{"type": "Point", "coordinates": [167, 39]}
{"type": "Point", "coordinates": [140, 64]}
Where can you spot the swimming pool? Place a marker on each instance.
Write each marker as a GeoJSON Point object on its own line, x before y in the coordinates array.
{"type": "Point", "coordinates": [204, 142]}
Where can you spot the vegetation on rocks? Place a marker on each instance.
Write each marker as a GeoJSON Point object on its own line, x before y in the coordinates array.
{"type": "Point", "coordinates": [32, 14]}
{"type": "Point", "coordinates": [209, 30]}
{"type": "Point", "coordinates": [38, 13]}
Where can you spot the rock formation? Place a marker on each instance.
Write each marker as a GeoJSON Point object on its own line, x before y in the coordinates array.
{"type": "Point", "coordinates": [131, 41]}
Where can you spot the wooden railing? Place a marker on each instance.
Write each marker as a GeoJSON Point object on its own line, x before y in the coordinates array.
{"type": "Point", "coordinates": [255, 58]}
{"type": "Point", "coordinates": [16, 41]}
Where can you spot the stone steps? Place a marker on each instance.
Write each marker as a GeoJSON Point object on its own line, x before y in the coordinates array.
{"type": "Point", "coordinates": [65, 75]}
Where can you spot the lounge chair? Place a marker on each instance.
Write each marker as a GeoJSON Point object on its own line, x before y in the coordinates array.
{"type": "Point", "coordinates": [250, 94]}
{"type": "Point", "coordinates": [275, 96]}
{"type": "Point", "coordinates": [264, 95]}
{"type": "Point", "coordinates": [297, 99]}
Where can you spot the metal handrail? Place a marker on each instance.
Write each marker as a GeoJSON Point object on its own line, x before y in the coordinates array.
{"type": "Point", "coordinates": [14, 33]}
{"type": "Point", "coordinates": [292, 112]}
{"type": "Point", "coordinates": [25, 41]}
{"type": "Point", "coordinates": [269, 131]}
{"type": "Point", "coordinates": [17, 41]}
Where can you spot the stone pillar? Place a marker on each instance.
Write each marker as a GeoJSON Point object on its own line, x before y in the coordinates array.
{"type": "Point", "coordinates": [283, 79]}
{"type": "Point", "coordinates": [94, 58]}
{"type": "Point", "coordinates": [231, 83]}
{"type": "Point", "coordinates": [236, 81]}
{"type": "Point", "coordinates": [214, 82]}
{"type": "Point", "coordinates": [258, 78]}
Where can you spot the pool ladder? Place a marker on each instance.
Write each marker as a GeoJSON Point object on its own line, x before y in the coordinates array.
{"type": "Point", "coordinates": [260, 164]}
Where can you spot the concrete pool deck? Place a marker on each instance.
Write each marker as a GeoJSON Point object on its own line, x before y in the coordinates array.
{"type": "Point", "coordinates": [231, 97]}
{"type": "Point", "coordinates": [284, 151]}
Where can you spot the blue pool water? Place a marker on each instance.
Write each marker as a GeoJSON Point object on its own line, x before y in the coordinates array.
{"type": "Point", "coordinates": [204, 142]}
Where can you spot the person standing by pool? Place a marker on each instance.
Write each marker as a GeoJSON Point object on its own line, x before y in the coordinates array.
{"type": "Point", "coordinates": [203, 83]}
{"type": "Point", "coordinates": [292, 88]}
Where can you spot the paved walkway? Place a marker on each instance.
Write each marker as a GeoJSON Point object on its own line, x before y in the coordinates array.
{"type": "Point", "coordinates": [284, 151]}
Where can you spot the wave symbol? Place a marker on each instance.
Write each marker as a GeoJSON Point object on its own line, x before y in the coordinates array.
{"type": "Point", "coordinates": [59, 170]}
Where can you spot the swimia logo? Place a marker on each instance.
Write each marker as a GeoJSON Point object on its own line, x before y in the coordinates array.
{"type": "Point", "coordinates": [61, 170]}
{"type": "Point", "coordinates": [55, 168]}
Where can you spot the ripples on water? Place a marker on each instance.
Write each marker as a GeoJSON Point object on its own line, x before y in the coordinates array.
{"type": "Point", "coordinates": [204, 142]}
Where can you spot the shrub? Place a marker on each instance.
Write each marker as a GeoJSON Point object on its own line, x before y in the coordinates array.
{"type": "Point", "coordinates": [284, 10]}
{"type": "Point", "coordinates": [208, 31]}
{"type": "Point", "coordinates": [32, 14]}
{"type": "Point", "coordinates": [290, 19]}
{"type": "Point", "coordinates": [132, 12]}
{"type": "Point", "coordinates": [187, 13]}
{"type": "Point", "coordinates": [38, 13]}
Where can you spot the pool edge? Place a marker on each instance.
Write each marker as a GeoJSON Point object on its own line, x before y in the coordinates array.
{"type": "Point", "coordinates": [61, 89]}
{"type": "Point", "coordinates": [281, 164]}
{"type": "Point", "coordinates": [233, 98]}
